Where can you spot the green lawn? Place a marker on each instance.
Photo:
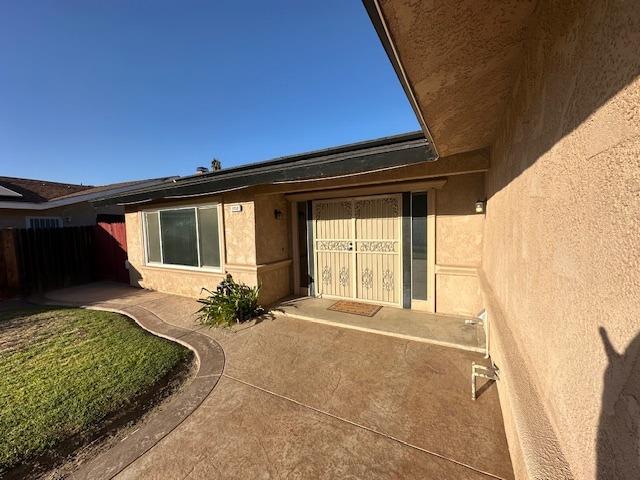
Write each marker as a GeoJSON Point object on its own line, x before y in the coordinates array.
{"type": "Point", "coordinates": [63, 370]}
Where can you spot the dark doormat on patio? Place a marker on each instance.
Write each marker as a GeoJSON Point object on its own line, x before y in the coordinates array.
{"type": "Point", "coordinates": [356, 308]}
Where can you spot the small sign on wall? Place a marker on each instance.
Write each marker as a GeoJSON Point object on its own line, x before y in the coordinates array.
{"type": "Point", "coordinates": [236, 208]}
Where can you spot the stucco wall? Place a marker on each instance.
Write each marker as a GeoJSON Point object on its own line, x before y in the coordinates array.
{"type": "Point", "coordinates": [245, 239]}
{"type": "Point", "coordinates": [239, 252]}
{"type": "Point", "coordinates": [562, 245]}
{"type": "Point", "coordinates": [240, 230]}
{"type": "Point", "coordinates": [273, 247]}
{"type": "Point", "coordinates": [272, 234]}
{"type": "Point", "coordinates": [459, 244]}
{"type": "Point", "coordinates": [275, 281]}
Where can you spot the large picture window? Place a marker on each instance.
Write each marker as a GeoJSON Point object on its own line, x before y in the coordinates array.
{"type": "Point", "coordinates": [183, 237]}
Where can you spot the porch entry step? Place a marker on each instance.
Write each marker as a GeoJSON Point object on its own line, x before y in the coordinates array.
{"type": "Point", "coordinates": [436, 329]}
{"type": "Point", "coordinates": [355, 308]}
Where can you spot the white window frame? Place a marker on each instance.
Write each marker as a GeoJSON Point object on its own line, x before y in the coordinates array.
{"type": "Point", "coordinates": [57, 219]}
{"type": "Point", "coordinates": [195, 207]}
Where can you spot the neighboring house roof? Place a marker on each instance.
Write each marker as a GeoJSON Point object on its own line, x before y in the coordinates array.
{"type": "Point", "coordinates": [352, 159]}
{"type": "Point", "coordinates": [31, 190]}
{"type": "Point", "coordinates": [30, 194]}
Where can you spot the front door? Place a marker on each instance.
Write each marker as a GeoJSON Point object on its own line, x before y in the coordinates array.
{"type": "Point", "coordinates": [357, 248]}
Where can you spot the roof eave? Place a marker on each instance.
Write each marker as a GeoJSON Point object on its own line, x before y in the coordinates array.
{"type": "Point", "coordinates": [376, 17]}
{"type": "Point", "coordinates": [300, 169]}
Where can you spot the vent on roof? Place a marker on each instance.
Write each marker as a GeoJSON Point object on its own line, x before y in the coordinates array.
{"type": "Point", "coordinates": [201, 170]}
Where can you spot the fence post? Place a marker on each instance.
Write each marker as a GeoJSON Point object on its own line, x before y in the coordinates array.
{"type": "Point", "coordinates": [10, 259]}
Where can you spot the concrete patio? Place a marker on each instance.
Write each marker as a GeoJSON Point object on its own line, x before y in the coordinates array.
{"type": "Point", "coordinates": [299, 399]}
{"type": "Point", "coordinates": [437, 329]}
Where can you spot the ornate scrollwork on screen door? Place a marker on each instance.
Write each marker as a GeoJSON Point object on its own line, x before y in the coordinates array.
{"type": "Point", "coordinates": [326, 275]}
{"type": "Point", "coordinates": [367, 278]}
{"type": "Point", "coordinates": [387, 280]}
{"type": "Point", "coordinates": [344, 276]}
{"type": "Point", "coordinates": [377, 246]}
{"type": "Point", "coordinates": [334, 245]}
{"type": "Point", "coordinates": [386, 204]}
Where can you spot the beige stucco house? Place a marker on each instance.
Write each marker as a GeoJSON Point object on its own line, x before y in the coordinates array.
{"type": "Point", "coordinates": [519, 196]}
{"type": "Point", "coordinates": [376, 221]}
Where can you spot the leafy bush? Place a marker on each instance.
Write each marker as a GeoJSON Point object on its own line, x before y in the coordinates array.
{"type": "Point", "coordinates": [231, 303]}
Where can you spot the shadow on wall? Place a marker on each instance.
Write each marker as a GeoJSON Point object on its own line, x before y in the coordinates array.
{"type": "Point", "coordinates": [135, 276]}
{"type": "Point", "coordinates": [618, 443]}
{"type": "Point", "coordinates": [459, 196]}
{"type": "Point", "coordinates": [584, 54]}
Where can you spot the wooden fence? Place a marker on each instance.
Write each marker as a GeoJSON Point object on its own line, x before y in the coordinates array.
{"type": "Point", "coordinates": [34, 260]}
{"type": "Point", "coordinates": [9, 278]}
{"type": "Point", "coordinates": [111, 248]}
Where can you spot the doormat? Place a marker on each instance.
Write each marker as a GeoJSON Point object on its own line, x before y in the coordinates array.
{"type": "Point", "coordinates": [355, 308]}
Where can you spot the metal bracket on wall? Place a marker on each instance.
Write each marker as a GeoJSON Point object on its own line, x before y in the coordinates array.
{"type": "Point", "coordinates": [481, 320]}
{"type": "Point", "coordinates": [490, 373]}
{"type": "Point", "coordinates": [474, 321]}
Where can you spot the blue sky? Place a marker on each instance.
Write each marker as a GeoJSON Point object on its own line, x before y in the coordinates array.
{"type": "Point", "coordinates": [105, 91]}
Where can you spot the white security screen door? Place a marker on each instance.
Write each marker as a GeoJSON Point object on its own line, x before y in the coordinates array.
{"type": "Point", "coordinates": [357, 248]}
{"type": "Point", "coordinates": [334, 238]}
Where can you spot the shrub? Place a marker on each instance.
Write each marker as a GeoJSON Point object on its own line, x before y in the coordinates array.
{"type": "Point", "coordinates": [230, 303]}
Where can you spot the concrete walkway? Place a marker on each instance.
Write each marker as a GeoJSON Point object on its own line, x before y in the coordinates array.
{"type": "Point", "coordinates": [303, 400]}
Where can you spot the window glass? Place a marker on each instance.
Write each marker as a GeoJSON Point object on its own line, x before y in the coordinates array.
{"type": "Point", "coordinates": [44, 222]}
{"type": "Point", "coordinates": [179, 237]}
{"type": "Point", "coordinates": [209, 239]}
{"type": "Point", "coordinates": [419, 246]}
{"type": "Point", "coordinates": [184, 236]}
{"type": "Point", "coordinates": [153, 237]}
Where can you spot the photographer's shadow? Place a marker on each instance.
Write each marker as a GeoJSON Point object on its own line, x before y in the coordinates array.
{"type": "Point", "coordinates": [618, 443]}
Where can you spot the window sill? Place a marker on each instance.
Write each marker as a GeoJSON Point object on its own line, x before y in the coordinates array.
{"type": "Point", "coordinates": [184, 268]}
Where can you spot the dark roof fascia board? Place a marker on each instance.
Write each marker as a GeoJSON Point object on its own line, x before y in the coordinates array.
{"type": "Point", "coordinates": [315, 154]}
{"type": "Point", "coordinates": [375, 15]}
{"type": "Point", "coordinates": [298, 168]}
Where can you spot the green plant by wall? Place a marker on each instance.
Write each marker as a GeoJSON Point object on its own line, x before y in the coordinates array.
{"type": "Point", "coordinates": [230, 303]}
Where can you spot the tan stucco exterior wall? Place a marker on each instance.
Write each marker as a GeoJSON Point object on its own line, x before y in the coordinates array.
{"type": "Point", "coordinates": [561, 254]}
{"type": "Point", "coordinates": [458, 240]}
{"type": "Point", "coordinates": [273, 247]}
{"type": "Point", "coordinates": [240, 230]}
{"type": "Point", "coordinates": [272, 234]}
{"type": "Point", "coordinates": [245, 240]}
